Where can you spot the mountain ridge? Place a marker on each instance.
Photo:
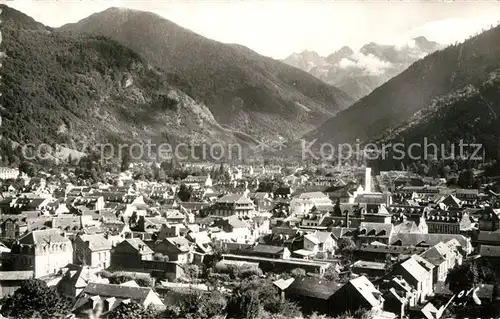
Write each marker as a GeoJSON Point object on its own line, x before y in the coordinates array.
{"type": "Point", "coordinates": [80, 89]}
{"type": "Point", "coordinates": [359, 72]}
{"type": "Point", "coordinates": [443, 73]}
{"type": "Point", "coordinates": [244, 90]}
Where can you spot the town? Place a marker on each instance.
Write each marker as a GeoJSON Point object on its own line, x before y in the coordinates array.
{"type": "Point", "coordinates": [250, 241]}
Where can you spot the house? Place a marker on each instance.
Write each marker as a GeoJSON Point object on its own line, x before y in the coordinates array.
{"type": "Point", "coordinates": [429, 240]}
{"type": "Point", "coordinates": [266, 251]}
{"type": "Point", "coordinates": [443, 259]}
{"type": "Point", "coordinates": [447, 221]}
{"type": "Point", "coordinates": [233, 229]}
{"type": "Point", "coordinates": [111, 296]}
{"type": "Point", "coordinates": [174, 216]}
{"type": "Point", "coordinates": [312, 294]}
{"type": "Point", "coordinates": [400, 296]}
{"type": "Point", "coordinates": [369, 268]}
{"type": "Point", "coordinates": [197, 182]}
{"type": "Point", "coordinates": [92, 250]}
{"type": "Point", "coordinates": [76, 278]}
{"type": "Point", "coordinates": [358, 293]}
{"type": "Point", "coordinates": [8, 173]}
{"type": "Point", "coordinates": [370, 232]}
{"type": "Point", "coordinates": [42, 251]}
{"type": "Point", "coordinates": [116, 232]}
{"type": "Point", "coordinates": [175, 248]}
{"type": "Point", "coordinates": [10, 281]}
{"type": "Point", "coordinates": [303, 203]}
{"type": "Point", "coordinates": [129, 254]}
{"type": "Point", "coordinates": [489, 219]}
{"type": "Point", "coordinates": [378, 252]}
{"type": "Point", "coordinates": [418, 272]}
{"type": "Point", "coordinates": [319, 242]}
{"type": "Point", "coordinates": [233, 204]}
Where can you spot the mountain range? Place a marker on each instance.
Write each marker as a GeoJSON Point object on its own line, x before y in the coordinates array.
{"type": "Point", "coordinates": [359, 72]}
{"type": "Point", "coordinates": [125, 75]}
{"type": "Point", "coordinates": [449, 95]}
{"type": "Point", "coordinates": [245, 91]}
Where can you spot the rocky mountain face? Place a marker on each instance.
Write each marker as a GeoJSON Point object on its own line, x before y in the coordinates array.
{"type": "Point", "coordinates": [245, 91]}
{"type": "Point", "coordinates": [449, 95]}
{"type": "Point", "coordinates": [80, 89]}
{"type": "Point", "coordinates": [359, 73]}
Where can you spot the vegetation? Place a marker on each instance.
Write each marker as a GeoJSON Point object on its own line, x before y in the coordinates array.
{"type": "Point", "coordinates": [121, 277]}
{"type": "Point", "coordinates": [426, 83]}
{"type": "Point", "coordinates": [255, 94]}
{"type": "Point", "coordinates": [132, 310]}
{"type": "Point", "coordinates": [34, 299]}
{"type": "Point", "coordinates": [469, 274]}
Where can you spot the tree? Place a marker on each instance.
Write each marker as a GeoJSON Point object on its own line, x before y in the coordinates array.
{"type": "Point", "coordinates": [467, 275]}
{"type": "Point", "coordinates": [125, 164]}
{"type": "Point", "coordinates": [192, 271]}
{"type": "Point", "coordinates": [132, 309]}
{"type": "Point", "coordinates": [184, 193]}
{"type": "Point", "coordinates": [298, 272]}
{"type": "Point", "coordinates": [466, 179]}
{"type": "Point", "coordinates": [331, 274]}
{"type": "Point", "coordinates": [34, 299]}
{"type": "Point", "coordinates": [346, 244]}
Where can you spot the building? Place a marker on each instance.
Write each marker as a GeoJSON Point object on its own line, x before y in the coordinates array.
{"type": "Point", "coordinates": [312, 294]}
{"type": "Point", "coordinates": [197, 182]}
{"type": "Point", "coordinates": [233, 204]}
{"type": "Point", "coordinates": [42, 251]}
{"type": "Point", "coordinates": [418, 272]}
{"type": "Point", "coordinates": [130, 253]}
{"type": "Point", "coordinates": [92, 250]}
{"type": "Point", "coordinates": [443, 259]}
{"type": "Point", "coordinates": [111, 296]}
{"type": "Point", "coordinates": [358, 293]}
{"type": "Point", "coordinates": [489, 219]}
{"type": "Point", "coordinates": [9, 173]}
{"type": "Point", "coordinates": [305, 202]}
{"type": "Point", "coordinates": [10, 281]}
{"type": "Point", "coordinates": [175, 248]}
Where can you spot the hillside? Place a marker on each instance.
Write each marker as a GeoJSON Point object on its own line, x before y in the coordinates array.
{"type": "Point", "coordinates": [19, 20]}
{"type": "Point", "coordinates": [244, 90]}
{"type": "Point", "coordinates": [441, 73]}
{"type": "Point", "coordinates": [470, 114]}
{"type": "Point", "coordinates": [359, 73]}
{"type": "Point", "coordinates": [86, 89]}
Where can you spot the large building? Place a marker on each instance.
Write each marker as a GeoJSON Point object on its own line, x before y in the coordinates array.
{"type": "Point", "coordinates": [233, 204]}
{"type": "Point", "coordinates": [43, 251]}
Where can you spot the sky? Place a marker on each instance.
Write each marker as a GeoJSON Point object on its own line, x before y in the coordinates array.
{"type": "Point", "coordinates": [278, 28]}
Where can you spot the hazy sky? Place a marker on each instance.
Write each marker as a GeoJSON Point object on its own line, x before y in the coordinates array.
{"type": "Point", "coordinates": [278, 28]}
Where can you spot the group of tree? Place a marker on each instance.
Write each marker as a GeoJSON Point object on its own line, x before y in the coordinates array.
{"type": "Point", "coordinates": [34, 299]}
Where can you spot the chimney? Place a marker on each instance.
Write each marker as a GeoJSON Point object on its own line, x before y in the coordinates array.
{"type": "Point", "coordinates": [368, 180]}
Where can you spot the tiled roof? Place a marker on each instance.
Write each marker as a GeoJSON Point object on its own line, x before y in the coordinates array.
{"type": "Point", "coordinates": [96, 242]}
{"type": "Point", "coordinates": [367, 290]}
{"type": "Point", "coordinates": [117, 291]}
{"type": "Point", "coordinates": [313, 287]}
{"type": "Point", "coordinates": [489, 251]}
{"type": "Point", "coordinates": [137, 243]}
{"type": "Point", "coordinates": [16, 275]}
{"type": "Point", "coordinates": [43, 237]}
